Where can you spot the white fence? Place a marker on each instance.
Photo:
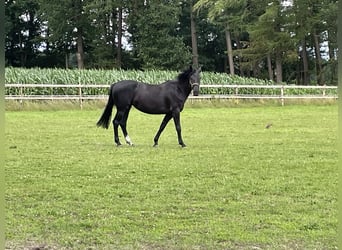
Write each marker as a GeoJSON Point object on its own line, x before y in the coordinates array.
{"type": "Point", "coordinates": [216, 91]}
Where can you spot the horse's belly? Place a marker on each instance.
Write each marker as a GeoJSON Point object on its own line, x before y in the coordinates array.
{"type": "Point", "coordinates": [151, 104]}
{"type": "Point", "coordinates": [151, 108]}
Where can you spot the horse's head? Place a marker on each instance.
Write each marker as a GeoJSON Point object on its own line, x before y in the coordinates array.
{"type": "Point", "coordinates": [195, 81]}
{"type": "Point", "coordinates": [191, 77]}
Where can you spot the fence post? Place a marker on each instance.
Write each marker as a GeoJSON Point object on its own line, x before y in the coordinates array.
{"type": "Point", "coordinates": [21, 91]}
{"type": "Point", "coordinates": [236, 94]}
{"type": "Point", "coordinates": [324, 88]}
{"type": "Point", "coordinates": [282, 95]}
{"type": "Point", "coordinates": [80, 94]}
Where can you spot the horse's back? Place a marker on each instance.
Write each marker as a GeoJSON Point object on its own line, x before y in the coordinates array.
{"type": "Point", "coordinates": [123, 92]}
{"type": "Point", "coordinates": [125, 85]}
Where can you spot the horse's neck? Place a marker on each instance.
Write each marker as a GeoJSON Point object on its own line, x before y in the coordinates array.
{"type": "Point", "coordinates": [185, 88]}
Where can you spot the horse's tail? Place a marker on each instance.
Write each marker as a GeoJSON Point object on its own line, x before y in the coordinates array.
{"type": "Point", "coordinates": [107, 113]}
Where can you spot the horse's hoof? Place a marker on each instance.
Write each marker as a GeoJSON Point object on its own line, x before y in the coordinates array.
{"type": "Point", "coordinates": [155, 145]}
{"type": "Point", "coordinates": [183, 145]}
{"type": "Point", "coordinates": [128, 140]}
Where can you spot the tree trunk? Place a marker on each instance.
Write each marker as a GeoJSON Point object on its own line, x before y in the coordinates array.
{"type": "Point", "coordinates": [225, 65]}
{"type": "Point", "coordinates": [332, 59]}
{"type": "Point", "coordinates": [79, 39]}
{"type": "Point", "coordinates": [193, 38]}
{"type": "Point", "coordinates": [118, 55]}
{"type": "Point", "coordinates": [80, 50]}
{"type": "Point", "coordinates": [238, 43]}
{"type": "Point", "coordinates": [305, 64]}
{"type": "Point", "coordinates": [66, 60]}
{"type": "Point", "coordinates": [279, 68]}
{"type": "Point", "coordinates": [22, 56]}
{"type": "Point", "coordinates": [269, 67]}
{"type": "Point", "coordinates": [229, 51]}
{"type": "Point", "coordinates": [331, 47]}
{"type": "Point", "coordinates": [318, 59]}
{"type": "Point", "coordinates": [256, 69]}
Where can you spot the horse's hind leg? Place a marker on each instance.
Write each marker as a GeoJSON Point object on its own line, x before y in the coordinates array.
{"type": "Point", "coordinates": [116, 123]}
{"type": "Point", "coordinates": [123, 125]}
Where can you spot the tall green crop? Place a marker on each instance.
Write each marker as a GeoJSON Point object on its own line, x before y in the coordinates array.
{"type": "Point", "coordinates": [107, 77]}
{"type": "Point", "coordinates": [99, 76]}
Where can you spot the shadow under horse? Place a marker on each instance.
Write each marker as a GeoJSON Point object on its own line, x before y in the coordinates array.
{"type": "Point", "coordinates": [166, 98]}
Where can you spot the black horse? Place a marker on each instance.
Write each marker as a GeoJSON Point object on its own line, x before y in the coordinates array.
{"type": "Point", "coordinates": [167, 98]}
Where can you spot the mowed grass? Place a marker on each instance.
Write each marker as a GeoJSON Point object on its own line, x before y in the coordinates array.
{"type": "Point", "coordinates": [237, 185]}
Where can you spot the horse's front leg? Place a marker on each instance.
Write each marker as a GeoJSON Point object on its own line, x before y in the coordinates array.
{"type": "Point", "coordinates": [165, 121]}
{"type": "Point", "coordinates": [176, 119]}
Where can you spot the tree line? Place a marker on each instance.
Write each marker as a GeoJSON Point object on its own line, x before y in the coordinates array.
{"type": "Point", "coordinates": [293, 41]}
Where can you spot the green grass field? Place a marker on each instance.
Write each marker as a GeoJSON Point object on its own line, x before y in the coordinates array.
{"type": "Point", "coordinates": [237, 185]}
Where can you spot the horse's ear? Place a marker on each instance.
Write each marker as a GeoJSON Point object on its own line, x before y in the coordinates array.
{"type": "Point", "coordinates": [199, 70]}
{"type": "Point", "coordinates": [190, 68]}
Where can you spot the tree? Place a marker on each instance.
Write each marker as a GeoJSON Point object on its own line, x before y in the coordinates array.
{"type": "Point", "coordinates": [68, 25]}
{"type": "Point", "coordinates": [209, 40]}
{"type": "Point", "coordinates": [270, 36]}
{"type": "Point", "coordinates": [107, 22]}
{"type": "Point", "coordinates": [323, 22]}
{"type": "Point", "coordinates": [22, 28]}
{"type": "Point", "coordinates": [311, 24]}
{"type": "Point", "coordinates": [224, 13]}
{"type": "Point", "coordinates": [156, 40]}
{"type": "Point", "coordinates": [329, 12]}
{"type": "Point", "coordinates": [193, 37]}
{"type": "Point", "coordinates": [294, 42]}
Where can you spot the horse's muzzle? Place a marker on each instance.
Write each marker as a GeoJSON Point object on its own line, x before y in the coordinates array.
{"type": "Point", "coordinates": [195, 89]}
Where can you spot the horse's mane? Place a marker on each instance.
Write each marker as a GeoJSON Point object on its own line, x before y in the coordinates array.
{"type": "Point", "coordinates": [185, 75]}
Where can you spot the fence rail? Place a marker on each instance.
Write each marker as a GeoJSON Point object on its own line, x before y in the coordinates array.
{"type": "Point", "coordinates": [217, 91]}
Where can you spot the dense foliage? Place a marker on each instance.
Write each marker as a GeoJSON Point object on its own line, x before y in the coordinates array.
{"type": "Point", "coordinates": [292, 41]}
{"type": "Point", "coordinates": [103, 77]}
